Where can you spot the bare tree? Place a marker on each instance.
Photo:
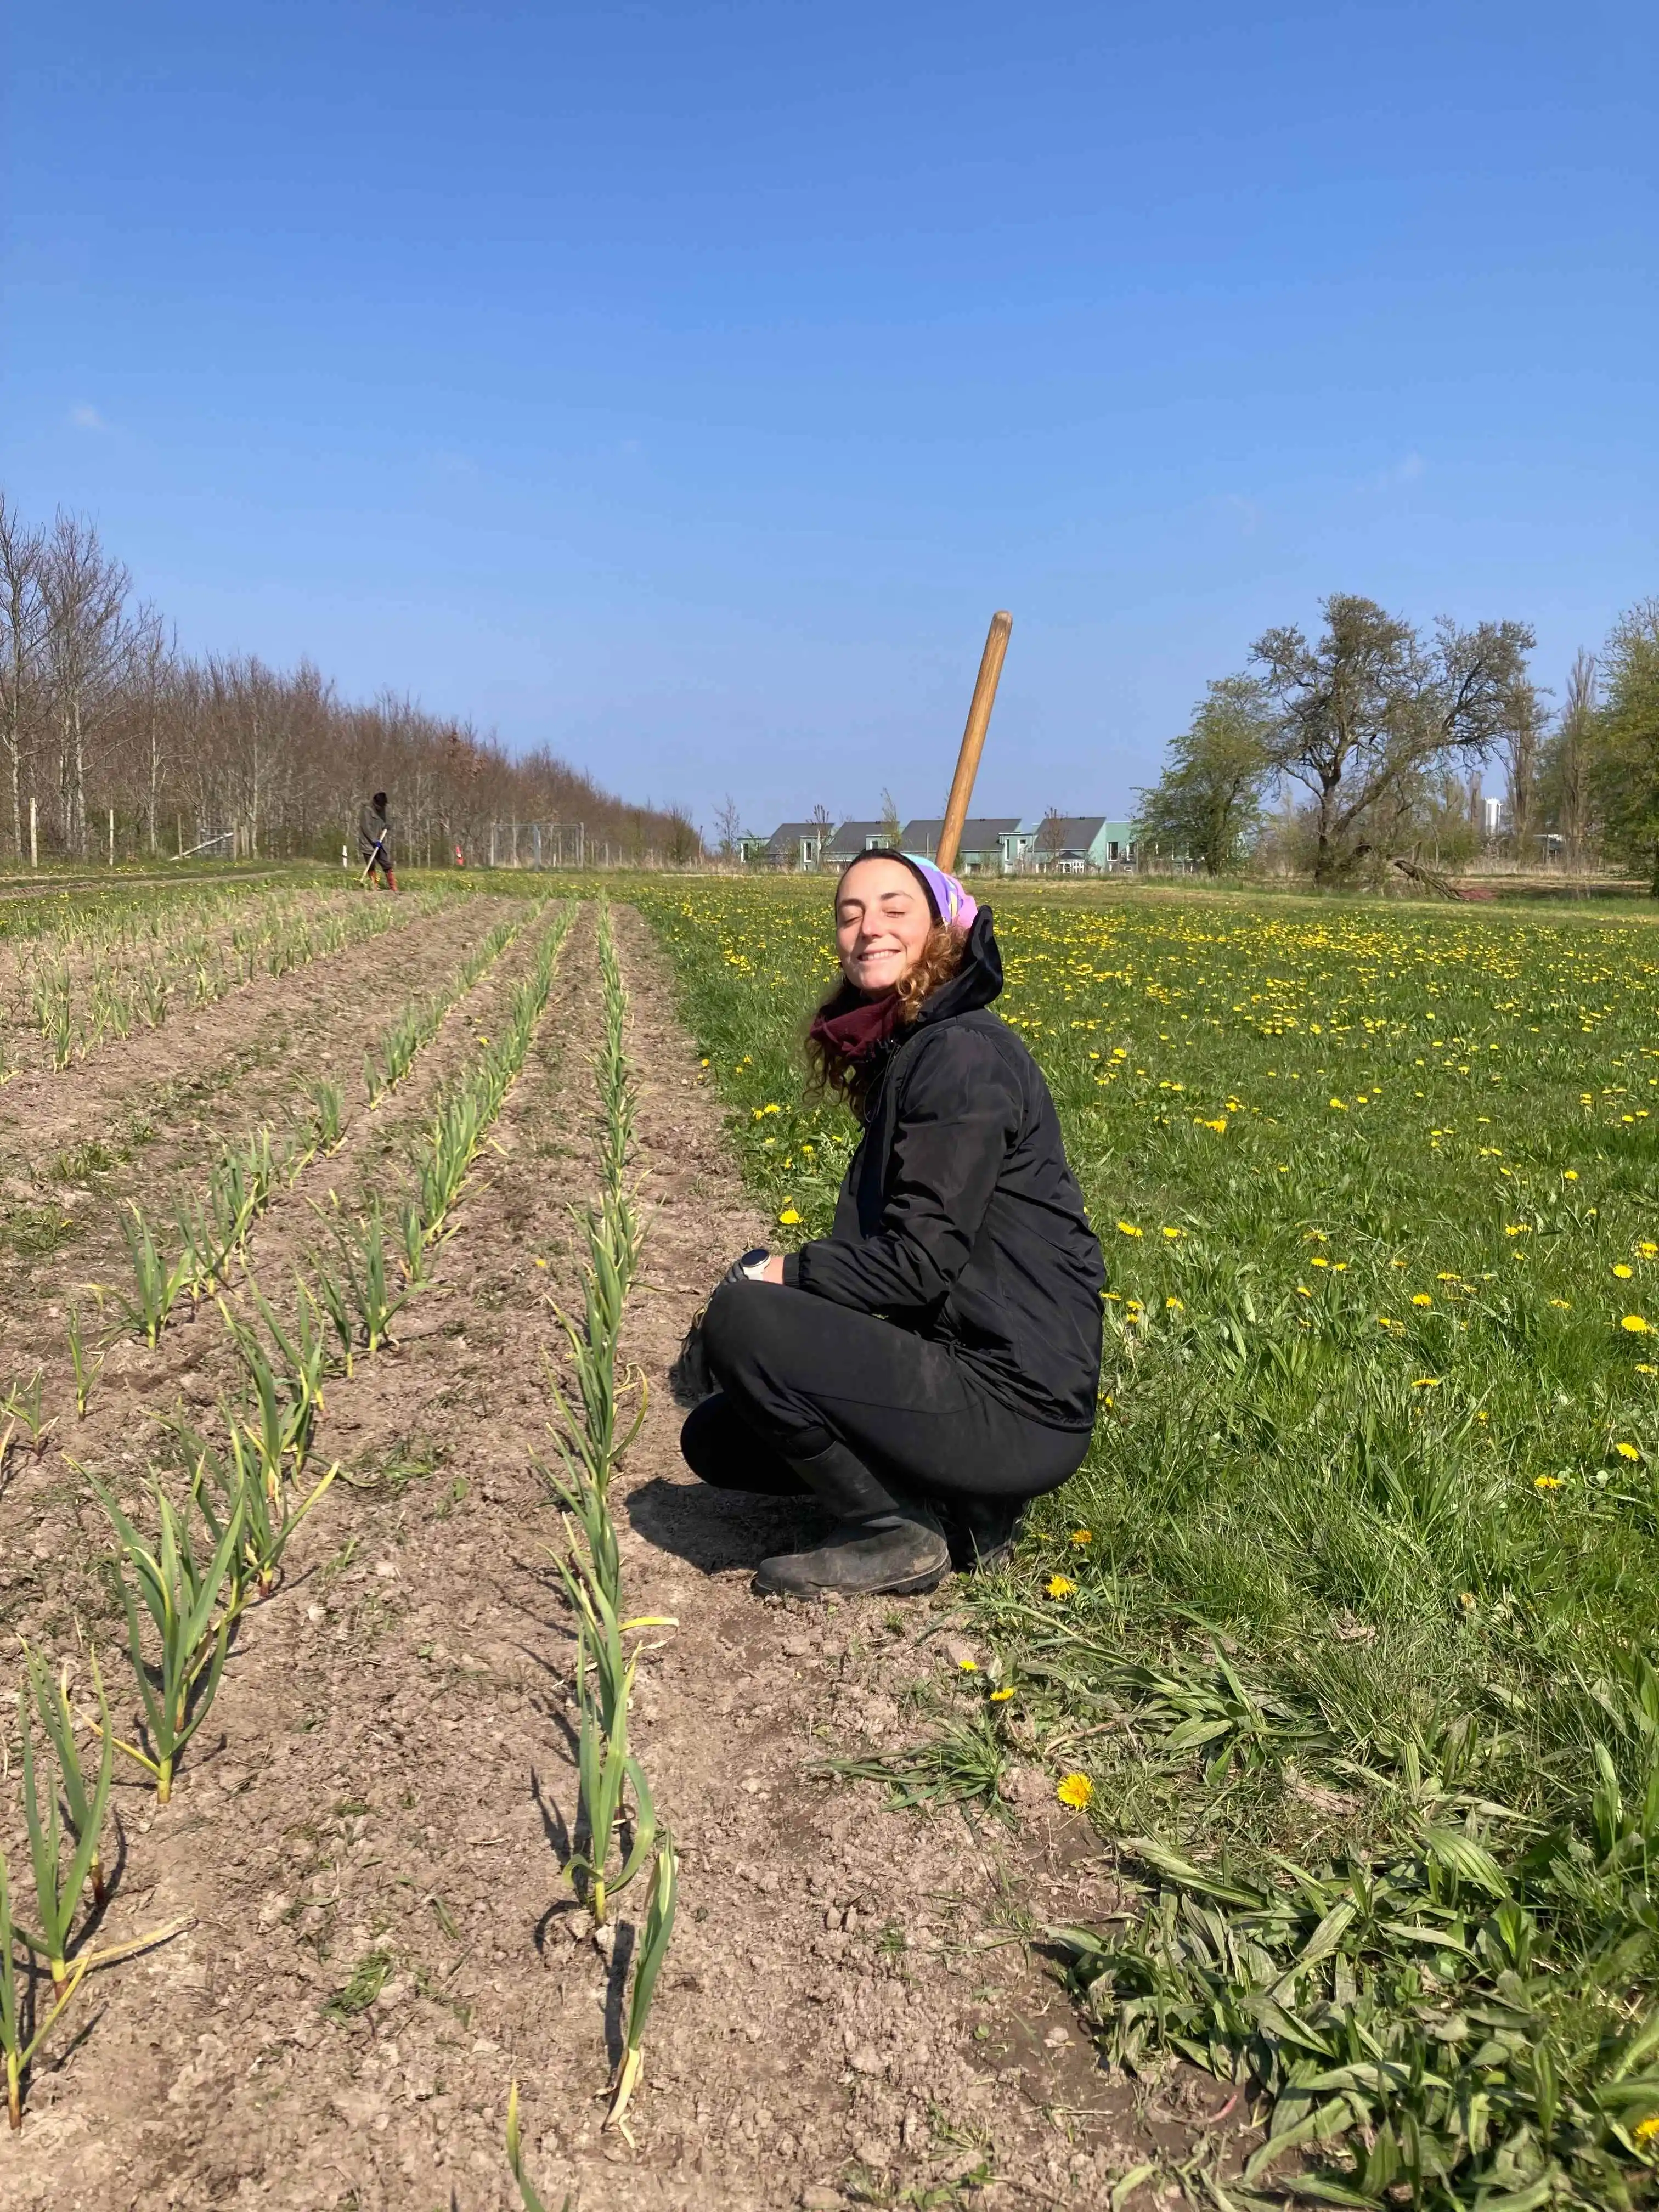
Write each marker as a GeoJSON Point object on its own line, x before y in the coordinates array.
{"type": "Point", "coordinates": [728, 829]}
{"type": "Point", "coordinates": [1574, 757]}
{"type": "Point", "coordinates": [153, 676]}
{"type": "Point", "coordinates": [1051, 835]}
{"type": "Point", "coordinates": [1522, 743]}
{"type": "Point", "coordinates": [84, 593]}
{"type": "Point", "coordinates": [1371, 704]}
{"type": "Point", "coordinates": [22, 643]}
{"type": "Point", "coordinates": [823, 829]}
{"type": "Point", "coordinates": [892, 830]}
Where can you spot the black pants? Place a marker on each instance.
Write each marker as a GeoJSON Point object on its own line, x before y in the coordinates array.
{"type": "Point", "coordinates": [798, 1373]}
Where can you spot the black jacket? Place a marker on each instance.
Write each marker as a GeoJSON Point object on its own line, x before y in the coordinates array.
{"type": "Point", "coordinates": [373, 835]}
{"type": "Point", "coordinates": [959, 1218]}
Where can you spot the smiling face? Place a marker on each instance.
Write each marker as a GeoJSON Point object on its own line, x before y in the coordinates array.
{"type": "Point", "coordinates": [883, 921]}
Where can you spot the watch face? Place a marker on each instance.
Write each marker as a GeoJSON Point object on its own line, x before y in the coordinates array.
{"type": "Point", "coordinates": [757, 1256]}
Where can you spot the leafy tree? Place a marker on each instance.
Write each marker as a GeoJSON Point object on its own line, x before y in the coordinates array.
{"type": "Point", "coordinates": [1372, 704]}
{"type": "Point", "coordinates": [1208, 800]}
{"type": "Point", "coordinates": [892, 829]}
{"type": "Point", "coordinates": [1626, 774]}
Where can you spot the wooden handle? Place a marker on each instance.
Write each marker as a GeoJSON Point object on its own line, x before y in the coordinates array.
{"type": "Point", "coordinates": [973, 738]}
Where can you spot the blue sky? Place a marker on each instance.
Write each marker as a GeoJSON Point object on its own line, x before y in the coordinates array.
{"type": "Point", "coordinates": [683, 385]}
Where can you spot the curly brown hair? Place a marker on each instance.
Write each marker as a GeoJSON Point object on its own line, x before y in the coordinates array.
{"type": "Point", "coordinates": [834, 1074]}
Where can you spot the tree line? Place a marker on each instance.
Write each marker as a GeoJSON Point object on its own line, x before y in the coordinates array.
{"type": "Point", "coordinates": [1365, 747]}
{"type": "Point", "coordinates": [101, 713]}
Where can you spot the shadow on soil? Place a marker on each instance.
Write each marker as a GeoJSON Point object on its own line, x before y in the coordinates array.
{"type": "Point", "coordinates": [720, 1531]}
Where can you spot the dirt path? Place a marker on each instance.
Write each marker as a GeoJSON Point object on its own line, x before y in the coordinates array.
{"type": "Point", "coordinates": [370, 1834]}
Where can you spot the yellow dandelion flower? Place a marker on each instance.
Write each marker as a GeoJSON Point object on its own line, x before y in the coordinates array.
{"type": "Point", "coordinates": [1568, 1175]}
{"type": "Point", "coordinates": [969, 1666]}
{"type": "Point", "coordinates": [1421, 1298]}
{"type": "Point", "coordinates": [1175, 1305]}
{"type": "Point", "coordinates": [1565, 1304]}
{"type": "Point", "coordinates": [1081, 1536]}
{"type": "Point", "coordinates": [789, 1218]}
{"type": "Point", "coordinates": [1000, 1697]}
{"type": "Point", "coordinates": [1627, 1451]}
{"type": "Point", "coordinates": [1168, 1231]}
{"type": "Point", "coordinates": [1623, 1272]}
{"type": "Point", "coordinates": [1075, 1790]}
{"type": "Point", "coordinates": [1060, 1586]}
{"type": "Point", "coordinates": [1546, 1482]}
{"type": "Point", "coordinates": [1427, 1383]}
{"type": "Point", "coordinates": [1635, 1324]}
{"type": "Point", "coordinates": [1129, 1229]}
{"type": "Point", "coordinates": [1644, 2130]}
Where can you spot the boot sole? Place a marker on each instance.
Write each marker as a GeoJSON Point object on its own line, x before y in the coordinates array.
{"type": "Point", "coordinates": [915, 1585]}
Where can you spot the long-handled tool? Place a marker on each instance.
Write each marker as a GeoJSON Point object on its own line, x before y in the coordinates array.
{"type": "Point", "coordinates": [973, 738]}
{"type": "Point", "coordinates": [379, 854]}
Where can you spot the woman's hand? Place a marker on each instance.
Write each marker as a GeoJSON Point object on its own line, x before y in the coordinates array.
{"type": "Point", "coordinates": [755, 1265]}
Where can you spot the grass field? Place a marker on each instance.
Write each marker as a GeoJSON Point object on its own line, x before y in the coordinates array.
{"type": "Point", "coordinates": [1344, 1632]}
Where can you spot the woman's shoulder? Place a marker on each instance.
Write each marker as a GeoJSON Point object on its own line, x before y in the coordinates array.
{"type": "Point", "coordinates": [975, 1038]}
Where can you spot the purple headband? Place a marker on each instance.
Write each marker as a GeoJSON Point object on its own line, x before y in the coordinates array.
{"type": "Point", "coordinates": [950, 901]}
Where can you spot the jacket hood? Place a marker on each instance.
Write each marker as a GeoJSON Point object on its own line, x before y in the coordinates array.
{"type": "Point", "coordinates": [976, 984]}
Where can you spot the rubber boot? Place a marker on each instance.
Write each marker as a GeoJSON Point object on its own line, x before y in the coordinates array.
{"type": "Point", "coordinates": [883, 1543]}
{"type": "Point", "coordinates": [981, 1533]}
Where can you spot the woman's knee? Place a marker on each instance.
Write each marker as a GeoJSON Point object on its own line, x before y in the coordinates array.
{"type": "Point", "coordinates": [723, 1451]}
{"type": "Point", "coordinates": [736, 1331]}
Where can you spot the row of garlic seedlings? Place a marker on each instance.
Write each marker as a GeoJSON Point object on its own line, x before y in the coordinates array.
{"type": "Point", "coordinates": [208, 1234]}
{"type": "Point", "coordinates": [75, 1014]}
{"type": "Point", "coordinates": [183, 1588]}
{"type": "Point", "coordinates": [620, 1836]}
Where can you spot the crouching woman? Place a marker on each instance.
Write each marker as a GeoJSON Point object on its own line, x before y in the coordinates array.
{"type": "Point", "coordinates": [932, 1365]}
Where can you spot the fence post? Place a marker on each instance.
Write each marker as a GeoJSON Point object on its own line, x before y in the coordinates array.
{"type": "Point", "coordinates": [112, 836]}
{"type": "Point", "coordinates": [34, 835]}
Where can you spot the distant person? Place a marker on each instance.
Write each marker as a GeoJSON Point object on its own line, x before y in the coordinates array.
{"type": "Point", "coordinates": [932, 1363]}
{"type": "Point", "coordinates": [374, 840]}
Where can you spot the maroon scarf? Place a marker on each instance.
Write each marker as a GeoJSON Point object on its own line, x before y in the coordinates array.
{"type": "Point", "coordinates": [860, 1028]}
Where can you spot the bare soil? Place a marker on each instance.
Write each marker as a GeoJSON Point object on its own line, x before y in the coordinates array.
{"type": "Point", "coordinates": [370, 1834]}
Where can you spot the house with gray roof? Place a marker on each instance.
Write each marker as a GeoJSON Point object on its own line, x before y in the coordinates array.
{"type": "Point", "coordinates": [795, 845]}
{"type": "Point", "coordinates": [983, 840]}
{"type": "Point", "coordinates": [853, 838]}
